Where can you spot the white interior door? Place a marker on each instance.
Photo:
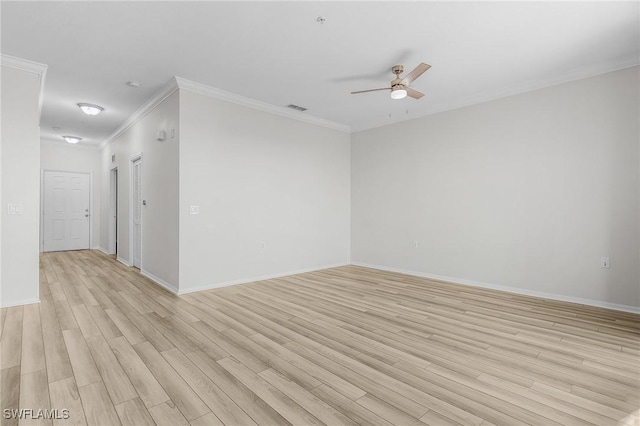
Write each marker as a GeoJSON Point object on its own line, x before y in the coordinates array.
{"type": "Point", "coordinates": [113, 213]}
{"type": "Point", "coordinates": [137, 211]}
{"type": "Point", "coordinates": [67, 200]}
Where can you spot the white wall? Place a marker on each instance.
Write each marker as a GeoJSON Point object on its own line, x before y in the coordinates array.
{"type": "Point", "coordinates": [258, 178]}
{"type": "Point", "coordinates": [65, 157]}
{"type": "Point", "coordinates": [528, 192]}
{"type": "Point", "coordinates": [20, 169]}
{"type": "Point", "coordinates": [159, 189]}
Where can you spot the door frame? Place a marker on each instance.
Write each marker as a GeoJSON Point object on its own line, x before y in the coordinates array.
{"type": "Point", "coordinates": [133, 159]}
{"type": "Point", "coordinates": [42, 172]}
{"type": "Point", "coordinates": [113, 210]}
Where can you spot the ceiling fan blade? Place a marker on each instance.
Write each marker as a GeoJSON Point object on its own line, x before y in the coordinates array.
{"type": "Point", "coordinates": [370, 90]}
{"type": "Point", "coordinates": [414, 93]}
{"type": "Point", "coordinates": [417, 72]}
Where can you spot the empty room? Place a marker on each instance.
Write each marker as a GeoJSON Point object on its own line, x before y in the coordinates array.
{"type": "Point", "coordinates": [320, 213]}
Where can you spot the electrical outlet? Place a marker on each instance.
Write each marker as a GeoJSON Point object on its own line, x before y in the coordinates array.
{"type": "Point", "coordinates": [415, 244]}
{"type": "Point", "coordinates": [604, 262]}
{"type": "Point", "coordinates": [194, 209]}
{"type": "Point", "coordinates": [263, 245]}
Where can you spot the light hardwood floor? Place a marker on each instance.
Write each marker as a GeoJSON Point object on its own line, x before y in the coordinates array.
{"type": "Point", "coordinates": [348, 345]}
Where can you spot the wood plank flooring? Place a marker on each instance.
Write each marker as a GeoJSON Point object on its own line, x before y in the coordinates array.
{"type": "Point", "coordinates": [342, 346]}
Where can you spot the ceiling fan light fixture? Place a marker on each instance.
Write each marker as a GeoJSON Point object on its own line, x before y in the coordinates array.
{"type": "Point", "coordinates": [72, 139]}
{"type": "Point", "coordinates": [90, 109]}
{"type": "Point", "coordinates": [398, 93]}
{"type": "Point", "coordinates": [400, 85]}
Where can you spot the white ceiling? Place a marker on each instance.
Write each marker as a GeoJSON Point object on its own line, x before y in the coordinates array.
{"type": "Point", "coordinates": [276, 52]}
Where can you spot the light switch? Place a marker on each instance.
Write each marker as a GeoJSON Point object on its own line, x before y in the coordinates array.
{"type": "Point", "coordinates": [194, 209]}
{"type": "Point", "coordinates": [14, 208]}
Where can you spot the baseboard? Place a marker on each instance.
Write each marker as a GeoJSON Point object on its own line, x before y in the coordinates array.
{"type": "Point", "coordinates": [508, 289]}
{"type": "Point", "coordinates": [103, 251]}
{"type": "Point", "coordinates": [125, 262]}
{"type": "Point", "coordinates": [259, 278]}
{"type": "Point", "coordinates": [19, 303]}
{"type": "Point", "coordinates": [160, 282]}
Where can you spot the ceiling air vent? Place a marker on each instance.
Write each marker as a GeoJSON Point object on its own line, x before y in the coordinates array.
{"type": "Point", "coordinates": [296, 107]}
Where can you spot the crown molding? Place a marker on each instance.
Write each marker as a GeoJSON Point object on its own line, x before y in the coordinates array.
{"type": "Point", "coordinates": [572, 75]}
{"type": "Point", "coordinates": [32, 67]}
{"type": "Point", "coordinates": [170, 87]}
{"type": "Point", "coordinates": [23, 64]}
{"type": "Point", "coordinates": [63, 144]}
{"type": "Point", "coordinates": [205, 90]}
{"type": "Point", "coordinates": [183, 84]}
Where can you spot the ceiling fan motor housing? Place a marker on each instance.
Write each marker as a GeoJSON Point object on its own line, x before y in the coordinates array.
{"type": "Point", "coordinates": [397, 83]}
{"type": "Point", "coordinates": [397, 69]}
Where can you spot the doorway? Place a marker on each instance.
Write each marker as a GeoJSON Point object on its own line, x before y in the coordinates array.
{"type": "Point", "coordinates": [66, 203]}
{"type": "Point", "coordinates": [136, 228]}
{"type": "Point", "coordinates": [113, 212]}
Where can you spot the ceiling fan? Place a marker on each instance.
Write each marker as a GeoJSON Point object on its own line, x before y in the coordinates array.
{"type": "Point", "coordinates": [400, 86]}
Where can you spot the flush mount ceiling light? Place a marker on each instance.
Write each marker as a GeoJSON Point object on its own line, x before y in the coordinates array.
{"type": "Point", "coordinates": [398, 93]}
{"type": "Point", "coordinates": [72, 139]}
{"type": "Point", "coordinates": [91, 109]}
